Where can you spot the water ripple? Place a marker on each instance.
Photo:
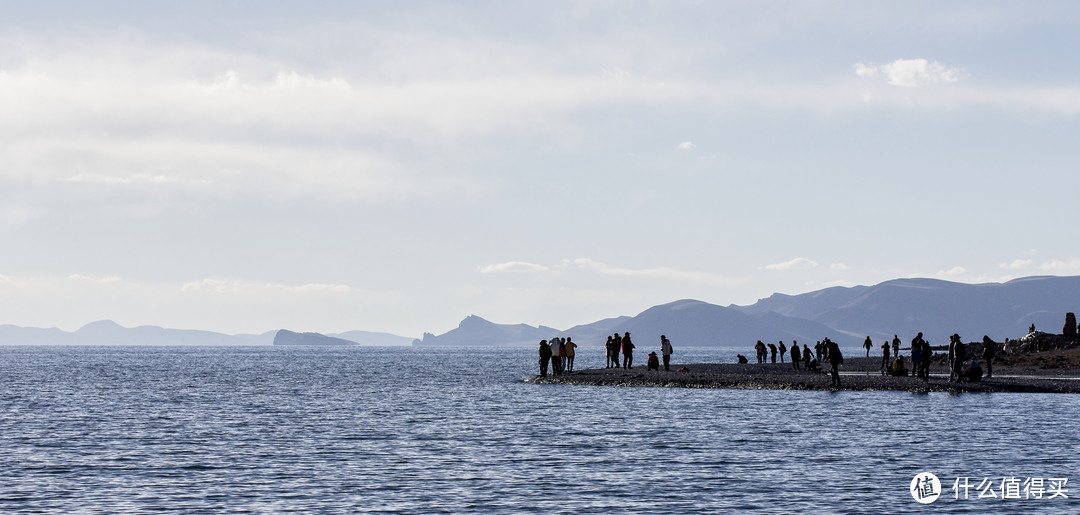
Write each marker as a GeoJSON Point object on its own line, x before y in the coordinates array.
{"type": "Point", "coordinates": [106, 430]}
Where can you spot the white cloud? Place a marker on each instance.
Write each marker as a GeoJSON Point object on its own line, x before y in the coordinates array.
{"type": "Point", "coordinates": [841, 282]}
{"type": "Point", "coordinates": [1057, 265]}
{"type": "Point", "coordinates": [799, 263]}
{"type": "Point", "coordinates": [133, 115]}
{"type": "Point", "coordinates": [218, 304]}
{"type": "Point", "coordinates": [658, 273]}
{"type": "Point", "coordinates": [952, 272]}
{"type": "Point", "coordinates": [87, 278]}
{"type": "Point", "coordinates": [909, 72]}
{"type": "Point", "coordinates": [838, 266]}
{"type": "Point", "coordinates": [1016, 264]}
{"type": "Point", "coordinates": [513, 267]}
{"type": "Point", "coordinates": [251, 288]}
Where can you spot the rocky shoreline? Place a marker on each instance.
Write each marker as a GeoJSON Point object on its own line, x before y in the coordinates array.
{"type": "Point", "coordinates": [856, 374]}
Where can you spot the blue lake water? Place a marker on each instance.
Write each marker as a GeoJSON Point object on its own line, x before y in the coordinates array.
{"type": "Point", "coordinates": [271, 429]}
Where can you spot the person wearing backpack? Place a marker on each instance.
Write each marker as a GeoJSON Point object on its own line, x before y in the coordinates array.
{"type": "Point", "coordinates": [666, 350]}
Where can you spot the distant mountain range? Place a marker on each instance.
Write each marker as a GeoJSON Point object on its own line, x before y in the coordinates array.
{"type": "Point", "coordinates": [107, 332]}
{"type": "Point", "coordinates": [845, 314]}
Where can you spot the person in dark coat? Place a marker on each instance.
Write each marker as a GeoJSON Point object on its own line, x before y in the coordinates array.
{"type": "Point", "coordinates": [927, 353]}
{"type": "Point", "coordinates": [916, 355]}
{"type": "Point", "coordinates": [616, 340]}
{"type": "Point", "coordinates": [835, 360]}
{"type": "Point", "coordinates": [959, 357]}
{"type": "Point", "coordinates": [869, 344]}
{"type": "Point", "coordinates": [796, 356]}
{"type": "Point", "coordinates": [545, 357]}
{"type": "Point", "coordinates": [885, 358]}
{"type": "Point", "coordinates": [608, 348]}
{"type": "Point", "coordinates": [653, 362]}
{"type": "Point", "coordinates": [989, 347]}
{"type": "Point", "coordinates": [772, 351]}
{"type": "Point", "coordinates": [628, 351]}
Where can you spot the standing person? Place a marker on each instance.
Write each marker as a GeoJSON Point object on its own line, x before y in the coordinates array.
{"type": "Point", "coordinates": [796, 356]}
{"type": "Point", "coordinates": [869, 344]}
{"type": "Point", "coordinates": [988, 354]}
{"type": "Point", "coordinates": [570, 346]}
{"type": "Point", "coordinates": [806, 356]}
{"type": "Point", "coordinates": [835, 360]}
{"type": "Point", "coordinates": [607, 352]}
{"type": "Point", "coordinates": [617, 342]}
{"type": "Point", "coordinates": [959, 357]}
{"type": "Point", "coordinates": [916, 356]}
{"type": "Point", "coordinates": [817, 350]}
{"type": "Point", "coordinates": [562, 355]}
{"type": "Point", "coordinates": [556, 356]}
{"type": "Point", "coordinates": [772, 351]}
{"type": "Point", "coordinates": [885, 361]}
{"type": "Point", "coordinates": [952, 357]}
{"type": "Point", "coordinates": [783, 350]}
{"type": "Point", "coordinates": [666, 350]}
{"type": "Point", "coordinates": [895, 345]}
{"type": "Point", "coordinates": [628, 351]}
{"type": "Point", "coordinates": [926, 355]}
{"type": "Point", "coordinates": [545, 356]}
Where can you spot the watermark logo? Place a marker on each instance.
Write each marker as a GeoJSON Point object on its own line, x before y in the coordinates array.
{"type": "Point", "coordinates": [925, 488]}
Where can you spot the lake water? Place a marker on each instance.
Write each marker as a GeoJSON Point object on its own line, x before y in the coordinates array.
{"type": "Point", "coordinates": [271, 429]}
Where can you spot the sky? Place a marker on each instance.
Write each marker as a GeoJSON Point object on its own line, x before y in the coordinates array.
{"type": "Point", "coordinates": [386, 166]}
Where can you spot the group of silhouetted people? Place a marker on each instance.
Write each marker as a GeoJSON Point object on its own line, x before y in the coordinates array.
{"type": "Point", "coordinates": [559, 353]}
{"type": "Point", "coordinates": [802, 358]}
{"type": "Point", "coordinates": [961, 367]}
{"type": "Point", "coordinates": [614, 345]}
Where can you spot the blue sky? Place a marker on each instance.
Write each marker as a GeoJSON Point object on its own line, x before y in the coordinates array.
{"type": "Point", "coordinates": [390, 166]}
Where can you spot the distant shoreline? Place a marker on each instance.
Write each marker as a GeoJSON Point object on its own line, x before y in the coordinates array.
{"type": "Point", "coordinates": [857, 374]}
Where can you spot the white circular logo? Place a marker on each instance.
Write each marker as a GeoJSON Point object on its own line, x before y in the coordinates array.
{"type": "Point", "coordinates": [925, 487]}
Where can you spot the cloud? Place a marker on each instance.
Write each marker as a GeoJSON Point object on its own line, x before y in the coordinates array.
{"type": "Point", "coordinates": [658, 273]}
{"type": "Point", "coordinates": [952, 272]}
{"type": "Point", "coordinates": [251, 288]}
{"type": "Point", "coordinates": [840, 282]}
{"type": "Point", "coordinates": [1057, 265]}
{"type": "Point", "coordinates": [686, 145]}
{"type": "Point", "coordinates": [87, 278]}
{"type": "Point", "coordinates": [799, 263]}
{"type": "Point", "coordinates": [838, 266]}
{"type": "Point", "coordinates": [513, 267]}
{"type": "Point", "coordinates": [218, 304]}
{"type": "Point", "coordinates": [1016, 264]}
{"type": "Point", "coordinates": [909, 72]}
